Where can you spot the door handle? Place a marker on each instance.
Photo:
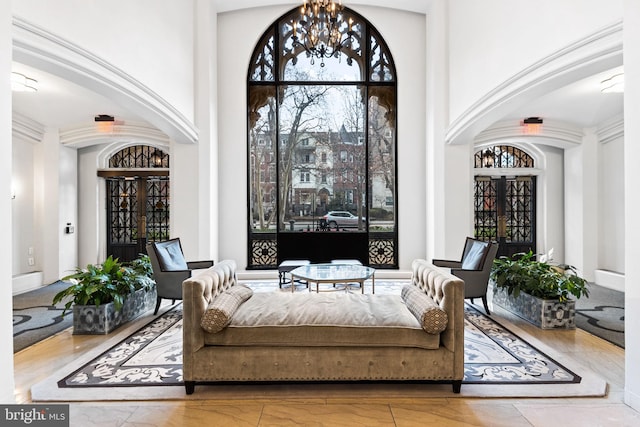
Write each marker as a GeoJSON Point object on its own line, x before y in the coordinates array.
{"type": "Point", "coordinates": [502, 226]}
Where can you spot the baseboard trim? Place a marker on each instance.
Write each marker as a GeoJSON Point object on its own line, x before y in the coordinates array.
{"type": "Point", "coordinates": [26, 282]}
{"type": "Point", "coordinates": [610, 279]}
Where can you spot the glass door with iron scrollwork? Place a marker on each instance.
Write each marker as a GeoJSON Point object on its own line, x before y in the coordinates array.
{"type": "Point", "coordinates": [505, 211]}
{"type": "Point", "coordinates": [137, 200]}
{"type": "Point", "coordinates": [137, 212]}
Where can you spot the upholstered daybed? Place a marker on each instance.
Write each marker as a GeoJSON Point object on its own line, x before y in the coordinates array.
{"type": "Point", "coordinates": [234, 335]}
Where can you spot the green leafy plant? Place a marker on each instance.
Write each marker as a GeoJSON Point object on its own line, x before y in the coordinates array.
{"type": "Point", "coordinates": [111, 281]}
{"type": "Point", "coordinates": [523, 273]}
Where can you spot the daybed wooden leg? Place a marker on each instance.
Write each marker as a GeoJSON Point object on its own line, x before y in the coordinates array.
{"type": "Point", "coordinates": [190, 386]}
{"type": "Point", "coordinates": [457, 385]}
{"type": "Point", "coordinates": [158, 299]}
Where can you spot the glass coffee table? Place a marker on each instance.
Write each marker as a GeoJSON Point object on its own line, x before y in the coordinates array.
{"type": "Point", "coordinates": [334, 273]}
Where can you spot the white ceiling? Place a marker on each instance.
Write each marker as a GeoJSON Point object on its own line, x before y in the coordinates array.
{"type": "Point", "coordinates": [580, 103]}
{"type": "Point", "coordinates": [62, 104]}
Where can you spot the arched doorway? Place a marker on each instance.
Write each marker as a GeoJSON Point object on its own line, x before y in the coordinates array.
{"type": "Point", "coordinates": [505, 204]}
{"type": "Point", "coordinates": [137, 200]}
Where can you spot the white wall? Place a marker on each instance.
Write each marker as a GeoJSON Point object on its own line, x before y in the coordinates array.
{"type": "Point", "coordinates": [611, 228]}
{"type": "Point", "coordinates": [232, 71]}
{"type": "Point", "coordinates": [550, 208]}
{"type": "Point", "coordinates": [479, 48]}
{"type": "Point", "coordinates": [22, 209]}
{"type": "Point", "coordinates": [6, 331]}
{"type": "Point", "coordinates": [90, 221]}
{"type": "Point", "coordinates": [130, 37]}
{"type": "Point", "coordinates": [68, 210]}
{"type": "Point", "coordinates": [44, 179]}
{"type": "Point", "coordinates": [632, 201]}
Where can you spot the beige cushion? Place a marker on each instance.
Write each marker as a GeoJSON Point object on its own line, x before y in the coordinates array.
{"type": "Point", "coordinates": [220, 310]}
{"type": "Point", "coordinates": [432, 318]}
{"type": "Point", "coordinates": [325, 319]}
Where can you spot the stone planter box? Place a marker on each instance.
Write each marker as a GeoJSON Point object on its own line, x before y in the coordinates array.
{"type": "Point", "coordinates": [89, 319]}
{"type": "Point", "coordinates": [546, 314]}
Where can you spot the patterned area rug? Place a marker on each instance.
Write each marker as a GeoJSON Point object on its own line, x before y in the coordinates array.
{"type": "Point", "coordinates": [602, 314]}
{"type": "Point", "coordinates": [153, 356]}
{"type": "Point", "coordinates": [35, 318]}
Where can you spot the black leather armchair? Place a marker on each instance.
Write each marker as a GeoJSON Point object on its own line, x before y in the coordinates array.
{"type": "Point", "coordinates": [170, 269]}
{"type": "Point", "coordinates": [474, 268]}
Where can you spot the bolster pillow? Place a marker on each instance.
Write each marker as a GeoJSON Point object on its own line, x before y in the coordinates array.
{"type": "Point", "coordinates": [221, 308]}
{"type": "Point", "coordinates": [431, 317]}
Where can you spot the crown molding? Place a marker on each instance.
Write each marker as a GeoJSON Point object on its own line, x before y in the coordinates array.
{"type": "Point", "coordinates": [611, 130]}
{"type": "Point", "coordinates": [38, 47]}
{"type": "Point", "coordinates": [556, 134]}
{"type": "Point", "coordinates": [23, 127]}
{"type": "Point", "coordinates": [84, 136]}
{"type": "Point", "coordinates": [596, 52]}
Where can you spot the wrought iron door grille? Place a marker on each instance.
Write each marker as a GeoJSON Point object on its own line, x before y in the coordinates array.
{"type": "Point", "coordinates": [519, 210]}
{"type": "Point", "coordinates": [485, 208]}
{"type": "Point", "coordinates": [122, 211]}
{"type": "Point", "coordinates": [157, 209]}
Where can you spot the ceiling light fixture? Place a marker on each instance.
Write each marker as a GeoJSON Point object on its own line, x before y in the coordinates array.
{"type": "Point", "coordinates": [22, 83]}
{"type": "Point", "coordinates": [614, 84]}
{"type": "Point", "coordinates": [322, 30]}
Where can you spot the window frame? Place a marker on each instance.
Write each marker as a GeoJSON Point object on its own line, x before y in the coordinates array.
{"type": "Point", "coordinates": [379, 80]}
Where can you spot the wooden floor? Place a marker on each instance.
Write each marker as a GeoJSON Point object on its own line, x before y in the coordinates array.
{"type": "Point", "coordinates": [37, 362]}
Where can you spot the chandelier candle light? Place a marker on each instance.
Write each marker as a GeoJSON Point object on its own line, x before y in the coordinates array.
{"type": "Point", "coordinates": [322, 30]}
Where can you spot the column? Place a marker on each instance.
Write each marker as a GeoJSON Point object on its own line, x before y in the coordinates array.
{"type": "Point", "coordinates": [631, 52]}
{"type": "Point", "coordinates": [6, 302]}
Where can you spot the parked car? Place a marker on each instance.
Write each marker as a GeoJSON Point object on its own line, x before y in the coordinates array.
{"type": "Point", "coordinates": [341, 219]}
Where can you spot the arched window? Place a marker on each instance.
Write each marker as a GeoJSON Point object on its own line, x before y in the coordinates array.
{"type": "Point", "coordinates": [321, 140]}
{"type": "Point", "coordinates": [502, 156]}
{"type": "Point", "coordinates": [139, 156]}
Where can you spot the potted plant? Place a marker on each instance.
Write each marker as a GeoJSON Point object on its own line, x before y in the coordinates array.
{"type": "Point", "coordinates": [537, 290]}
{"type": "Point", "coordinates": [106, 295]}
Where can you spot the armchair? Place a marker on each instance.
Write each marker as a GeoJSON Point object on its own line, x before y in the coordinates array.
{"type": "Point", "coordinates": [474, 268]}
{"type": "Point", "coordinates": [170, 269]}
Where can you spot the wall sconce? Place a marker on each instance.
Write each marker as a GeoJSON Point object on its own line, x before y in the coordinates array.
{"type": "Point", "coordinates": [22, 83]}
{"type": "Point", "coordinates": [104, 123]}
{"type": "Point", "coordinates": [531, 125]}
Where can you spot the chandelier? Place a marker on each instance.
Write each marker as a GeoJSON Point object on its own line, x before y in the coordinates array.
{"type": "Point", "coordinates": [322, 30]}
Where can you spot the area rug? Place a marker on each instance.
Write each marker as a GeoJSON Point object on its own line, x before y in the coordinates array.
{"type": "Point", "coordinates": [36, 318]}
{"type": "Point", "coordinates": [147, 365]}
{"type": "Point", "coordinates": [602, 314]}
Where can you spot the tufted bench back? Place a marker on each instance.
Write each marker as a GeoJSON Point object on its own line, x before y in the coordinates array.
{"type": "Point", "coordinates": [447, 291]}
{"type": "Point", "coordinates": [197, 293]}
